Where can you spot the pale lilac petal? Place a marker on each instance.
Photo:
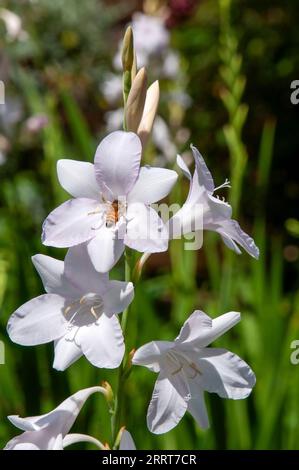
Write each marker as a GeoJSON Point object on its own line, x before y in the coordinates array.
{"type": "Point", "coordinates": [72, 223]}
{"type": "Point", "coordinates": [167, 407]}
{"type": "Point", "coordinates": [25, 424]}
{"type": "Point", "coordinates": [146, 231]}
{"type": "Point", "coordinates": [225, 373]}
{"type": "Point", "coordinates": [187, 219]}
{"type": "Point", "coordinates": [51, 273]}
{"type": "Point", "coordinates": [77, 438]}
{"type": "Point", "coordinates": [38, 321]}
{"type": "Point", "coordinates": [149, 355]}
{"type": "Point", "coordinates": [105, 249]}
{"type": "Point", "coordinates": [102, 342]}
{"type": "Point", "coordinates": [62, 418]}
{"type": "Point", "coordinates": [199, 323]}
{"type": "Point", "coordinates": [182, 165]}
{"type": "Point", "coordinates": [231, 232]}
{"type": "Point", "coordinates": [66, 353]}
{"type": "Point", "coordinates": [126, 441]}
{"type": "Point", "coordinates": [218, 210]}
{"type": "Point", "coordinates": [78, 179]}
{"type": "Point", "coordinates": [201, 334]}
{"type": "Point", "coordinates": [118, 297]}
{"type": "Point", "coordinates": [152, 185]}
{"type": "Point", "coordinates": [81, 273]}
{"type": "Point", "coordinates": [202, 172]}
{"type": "Point", "coordinates": [117, 162]}
{"type": "Point", "coordinates": [197, 408]}
{"type": "Point", "coordinates": [50, 427]}
{"type": "Point", "coordinates": [30, 441]}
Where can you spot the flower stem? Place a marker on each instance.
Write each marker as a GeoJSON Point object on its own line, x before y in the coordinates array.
{"type": "Point", "coordinates": [122, 375]}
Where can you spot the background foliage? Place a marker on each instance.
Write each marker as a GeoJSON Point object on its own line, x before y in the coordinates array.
{"type": "Point", "coordinates": [239, 69]}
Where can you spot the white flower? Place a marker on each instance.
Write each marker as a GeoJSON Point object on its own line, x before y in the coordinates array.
{"type": "Point", "coordinates": [216, 214]}
{"type": "Point", "coordinates": [112, 201]}
{"type": "Point", "coordinates": [187, 368]}
{"type": "Point", "coordinates": [112, 87]}
{"type": "Point", "coordinates": [114, 119]}
{"type": "Point", "coordinates": [153, 29]}
{"type": "Point", "coordinates": [13, 24]}
{"type": "Point", "coordinates": [50, 431]}
{"type": "Point", "coordinates": [78, 312]}
{"type": "Point", "coordinates": [155, 45]}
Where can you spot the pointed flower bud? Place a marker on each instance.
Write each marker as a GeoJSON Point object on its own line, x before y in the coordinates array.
{"type": "Point", "coordinates": [128, 50]}
{"type": "Point", "coordinates": [149, 112]}
{"type": "Point", "coordinates": [136, 100]}
{"type": "Point", "coordinates": [108, 392]}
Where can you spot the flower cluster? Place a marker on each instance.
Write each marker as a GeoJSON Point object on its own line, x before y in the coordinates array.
{"type": "Point", "coordinates": [111, 210]}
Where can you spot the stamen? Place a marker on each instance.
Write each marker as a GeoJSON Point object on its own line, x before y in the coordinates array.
{"type": "Point", "coordinates": [97, 211]}
{"type": "Point", "coordinates": [94, 313]}
{"type": "Point", "coordinates": [226, 184]}
{"type": "Point", "coordinates": [177, 371]}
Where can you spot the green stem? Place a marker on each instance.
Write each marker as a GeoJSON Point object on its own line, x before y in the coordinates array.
{"type": "Point", "coordinates": [122, 375]}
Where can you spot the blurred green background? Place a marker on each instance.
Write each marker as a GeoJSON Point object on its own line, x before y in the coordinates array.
{"type": "Point", "coordinates": [231, 99]}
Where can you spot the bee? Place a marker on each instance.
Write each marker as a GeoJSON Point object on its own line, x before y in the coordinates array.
{"type": "Point", "coordinates": [112, 213]}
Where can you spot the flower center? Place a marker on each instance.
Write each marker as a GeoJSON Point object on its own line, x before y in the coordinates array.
{"type": "Point", "coordinates": [84, 311]}
{"type": "Point", "coordinates": [114, 211]}
{"type": "Point", "coordinates": [178, 361]}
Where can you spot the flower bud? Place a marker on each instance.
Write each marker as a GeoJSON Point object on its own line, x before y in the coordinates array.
{"type": "Point", "coordinates": [127, 56]}
{"type": "Point", "coordinates": [136, 100]}
{"type": "Point", "coordinates": [108, 392]}
{"type": "Point", "coordinates": [149, 112]}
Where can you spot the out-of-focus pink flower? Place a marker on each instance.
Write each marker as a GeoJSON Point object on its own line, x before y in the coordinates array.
{"type": "Point", "coordinates": [36, 123]}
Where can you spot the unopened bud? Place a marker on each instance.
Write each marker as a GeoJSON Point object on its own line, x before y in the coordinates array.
{"type": "Point", "coordinates": [134, 67]}
{"type": "Point", "coordinates": [118, 437]}
{"type": "Point", "coordinates": [136, 101]}
{"type": "Point", "coordinates": [127, 56]}
{"type": "Point", "coordinates": [149, 112]}
{"type": "Point", "coordinates": [108, 391]}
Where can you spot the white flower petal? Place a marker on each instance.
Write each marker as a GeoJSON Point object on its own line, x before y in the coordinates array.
{"type": "Point", "coordinates": [62, 418]}
{"type": "Point", "coordinates": [180, 162]}
{"type": "Point", "coordinates": [167, 407]}
{"type": "Point", "coordinates": [126, 441]}
{"type": "Point", "coordinates": [146, 231]}
{"type": "Point", "coordinates": [152, 185]}
{"type": "Point", "coordinates": [199, 323]}
{"type": "Point", "coordinates": [202, 172]}
{"type": "Point", "coordinates": [51, 273]}
{"type": "Point", "coordinates": [149, 355]}
{"type": "Point", "coordinates": [81, 273]}
{"type": "Point", "coordinates": [218, 211]}
{"type": "Point", "coordinates": [50, 427]}
{"type": "Point", "coordinates": [186, 220]}
{"type": "Point", "coordinates": [117, 297]}
{"type": "Point", "coordinates": [198, 333]}
{"type": "Point", "coordinates": [76, 438]}
{"type": "Point", "coordinates": [66, 353]}
{"type": "Point", "coordinates": [78, 178]}
{"type": "Point", "coordinates": [105, 249]}
{"type": "Point", "coordinates": [117, 162]}
{"type": "Point", "coordinates": [102, 342]}
{"type": "Point", "coordinates": [225, 373]}
{"type": "Point", "coordinates": [197, 408]}
{"type": "Point", "coordinates": [25, 424]}
{"type": "Point", "coordinates": [38, 321]}
{"type": "Point", "coordinates": [30, 441]}
{"type": "Point", "coordinates": [72, 223]}
{"type": "Point", "coordinates": [231, 232]}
